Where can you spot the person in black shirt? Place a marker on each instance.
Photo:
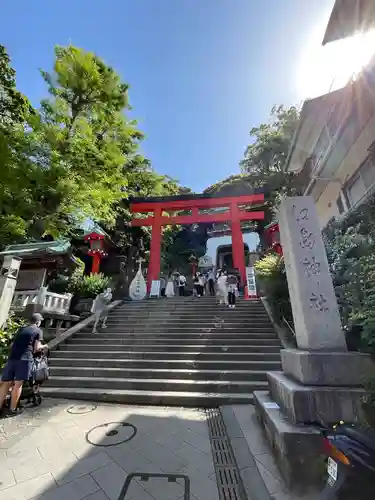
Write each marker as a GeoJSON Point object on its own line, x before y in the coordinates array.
{"type": "Point", "coordinates": [18, 368]}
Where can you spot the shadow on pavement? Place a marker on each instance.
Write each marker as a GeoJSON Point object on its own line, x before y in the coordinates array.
{"type": "Point", "coordinates": [77, 450]}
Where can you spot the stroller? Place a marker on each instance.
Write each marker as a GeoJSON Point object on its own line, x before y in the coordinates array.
{"type": "Point", "coordinates": [31, 388]}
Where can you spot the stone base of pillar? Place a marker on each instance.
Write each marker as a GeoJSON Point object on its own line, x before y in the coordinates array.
{"type": "Point", "coordinates": [315, 404]}
{"type": "Point", "coordinates": [327, 368]}
{"type": "Point", "coordinates": [298, 449]}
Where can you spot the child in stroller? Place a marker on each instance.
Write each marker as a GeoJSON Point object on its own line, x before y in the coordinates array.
{"type": "Point", "coordinates": [31, 389]}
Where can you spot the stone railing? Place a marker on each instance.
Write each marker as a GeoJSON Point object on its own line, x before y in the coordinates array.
{"type": "Point", "coordinates": [51, 302]}
{"type": "Point", "coordinates": [62, 335]}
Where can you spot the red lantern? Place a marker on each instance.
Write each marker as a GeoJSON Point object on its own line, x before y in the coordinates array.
{"type": "Point", "coordinates": [97, 249]}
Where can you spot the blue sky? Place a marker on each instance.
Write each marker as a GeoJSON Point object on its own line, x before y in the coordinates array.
{"type": "Point", "coordinates": [202, 72]}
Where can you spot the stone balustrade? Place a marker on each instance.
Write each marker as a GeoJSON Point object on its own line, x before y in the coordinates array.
{"type": "Point", "coordinates": [50, 302]}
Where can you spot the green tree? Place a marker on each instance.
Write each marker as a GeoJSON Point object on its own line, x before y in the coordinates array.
{"type": "Point", "coordinates": [18, 173]}
{"type": "Point", "coordinates": [264, 160]}
{"type": "Point", "coordinates": [263, 164]}
{"type": "Point", "coordinates": [14, 107]}
{"type": "Point", "coordinates": [84, 143]}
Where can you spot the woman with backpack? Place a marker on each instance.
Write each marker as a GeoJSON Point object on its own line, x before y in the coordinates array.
{"type": "Point", "coordinates": [232, 282]}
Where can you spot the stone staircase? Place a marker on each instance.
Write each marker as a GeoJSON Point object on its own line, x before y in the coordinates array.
{"type": "Point", "coordinates": [180, 351]}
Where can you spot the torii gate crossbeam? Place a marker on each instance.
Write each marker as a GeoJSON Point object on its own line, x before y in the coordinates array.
{"type": "Point", "coordinates": [234, 216]}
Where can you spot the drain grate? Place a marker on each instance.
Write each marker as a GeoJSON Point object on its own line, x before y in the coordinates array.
{"type": "Point", "coordinates": [227, 475]}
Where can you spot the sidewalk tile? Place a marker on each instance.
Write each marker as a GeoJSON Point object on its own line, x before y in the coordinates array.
{"type": "Point", "coordinates": [111, 479]}
{"type": "Point", "coordinates": [29, 489]}
{"type": "Point", "coordinates": [269, 463]}
{"type": "Point", "coordinates": [130, 460]}
{"type": "Point", "coordinates": [6, 478]}
{"type": "Point", "coordinates": [161, 489]}
{"type": "Point", "coordinates": [201, 486]}
{"type": "Point", "coordinates": [82, 467]}
{"type": "Point", "coordinates": [98, 495]}
{"type": "Point", "coordinates": [41, 466]}
{"type": "Point", "coordinates": [272, 483]}
{"type": "Point", "coordinates": [76, 490]}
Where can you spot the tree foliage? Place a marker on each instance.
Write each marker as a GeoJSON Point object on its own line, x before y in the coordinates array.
{"type": "Point", "coordinates": [84, 138]}
{"type": "Point", "coordinates": [18, 173]}
{"type": "Point", "coordinates": [350, 245]}
{"type": "Point", "coordinates": [76, 157]}
{"type": "Point", "coordinates": [14, 107]}
{"type": "Point", "coordinates": [265, 158]}
{"type": "Point", "coordinates": [263, 164]}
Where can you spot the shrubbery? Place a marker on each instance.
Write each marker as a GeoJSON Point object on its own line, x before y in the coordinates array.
{"type": "Point", "coordinates": [7, 334]}
{"type": "Point", "coordinates": [88, 286]}
{"type": "Point", "coordinates": [271, 278]}
{"type": "Point", "coordinates": [350, 245]}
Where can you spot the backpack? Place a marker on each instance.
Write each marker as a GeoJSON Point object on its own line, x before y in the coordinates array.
{"type": "Point", "coordinates": [40, 370]}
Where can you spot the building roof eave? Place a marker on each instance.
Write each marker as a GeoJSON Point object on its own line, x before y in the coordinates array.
{"type": "Point", "coordinates": [349, 17]}
{"type": "Point", "coordinates": [313, 112]}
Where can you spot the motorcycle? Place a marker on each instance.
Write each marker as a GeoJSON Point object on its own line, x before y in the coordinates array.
{"type": "Point", "coordinates": [351, 462]}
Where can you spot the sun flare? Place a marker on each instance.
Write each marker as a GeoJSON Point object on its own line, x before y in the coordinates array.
{"type": "Point", "coordinates": [323, 69]}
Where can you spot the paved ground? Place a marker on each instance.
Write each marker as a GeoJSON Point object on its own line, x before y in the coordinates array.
{"type": "Point", "coordinates": [46, 453]}
{"type": "Point", "coordinates": [262, 453]}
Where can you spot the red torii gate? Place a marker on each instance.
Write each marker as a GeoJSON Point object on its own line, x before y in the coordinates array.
{"type": "Point", "coordinates": [195, 203]}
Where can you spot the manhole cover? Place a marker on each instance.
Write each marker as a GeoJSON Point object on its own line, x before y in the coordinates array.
{"type": "Point", "coordinates": [111, 434]}
{"type": "Point", "coordinates": [81, 409]}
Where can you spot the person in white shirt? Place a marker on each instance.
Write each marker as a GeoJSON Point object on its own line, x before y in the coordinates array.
{"type": "Point", "coordinates": [202, 283]}
{"type": "Point", "coordinates": [222, 287]}
{"type": "Point", "coordinates": [169, 291]}
{"type": "Point", "coordinates": [99, 305]}
{"type": "Point", "coordinates": [181, 285]}
{"type": "Point", "coordinates": [211, 283]}
{"type": "Point", "coordinates": [163, 285]}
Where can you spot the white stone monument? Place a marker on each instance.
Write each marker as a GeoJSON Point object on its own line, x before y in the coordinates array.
{"type": "Point", "coordinates": [8, 281]}
{"type": "Point", "coordinates": [321, 381]}
{"type": "Point", "coordinates": [315, 312]}
{"type": "Point", "coordinates": [138, 287]}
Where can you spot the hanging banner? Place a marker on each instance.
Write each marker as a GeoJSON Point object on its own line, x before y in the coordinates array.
{"type": "Point", "coordinates": [155, 288]}
{"type": "Point", "coordinates": [205, 261]}
{"type": "Point", "coordinates": [138, 288]}
{"type": "Point", "coordinates": [251, 282]}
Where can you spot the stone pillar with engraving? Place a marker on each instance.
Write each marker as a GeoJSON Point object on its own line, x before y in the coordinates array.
{"type": "Point", "coordinates": [321, 381]}
{"type": "Point", "coordinates": [8, 280]}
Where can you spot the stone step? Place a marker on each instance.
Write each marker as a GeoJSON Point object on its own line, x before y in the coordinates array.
{"type": "Point", "coordinates": [215, 335]}
{"type": "Point", "coordinates": [193, 349]}
{"type": "Point", "coordinates": [183, 318]}
{"type": "Point", "coordinates": [149, 325]}
{"type": "Point", "coordinates": [131, 340]}
{"type": "Point", "coordinates": [193, 308]}
{"type": "Point", "coordinates": [178, 320]}
{"type": "Point", "coordinates": [98, 346]}
{"type": "Point", "coordinates": [222, 309]}
{"type": "Point", "coordinates": [232, 314]}
{"type": "Point", "coordinates": [189, 331]}
{"type": "Point", "coordinates": [180, 385]}
{"type": "Point", "coordinates": [165, 398]}
{"type": "Point", "coordinates": [185, 300]}
{"type": "Point", "coordinates": [179, 351]}
{"type": "Point", "coordinates": [63, 359]}
{"type": "Point", "coordinates": [157, 373]}
{"type": "Point", "coordinates": [187, 304]}
{"type": "Point", "coordinates": [156, 355]}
